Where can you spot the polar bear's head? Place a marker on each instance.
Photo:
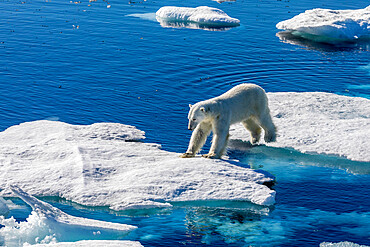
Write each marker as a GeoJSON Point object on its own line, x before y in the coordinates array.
{"type": "Point", "coordinates": [197, 114]}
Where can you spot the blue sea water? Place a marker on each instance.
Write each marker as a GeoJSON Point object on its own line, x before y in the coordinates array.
{"type": "Point", "coordinates": [83, 62]}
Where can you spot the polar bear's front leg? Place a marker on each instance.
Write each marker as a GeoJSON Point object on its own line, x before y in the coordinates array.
{"type": "Point", "coordinates": [219, 141]}
{"type": "Point", "coordinates": [197, 140]}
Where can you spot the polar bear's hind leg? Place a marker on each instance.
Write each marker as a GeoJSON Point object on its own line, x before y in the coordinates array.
{"type": "Point", "coordinates": [269, 127]}
{"type": "Point", "coordinates": [254, 128]}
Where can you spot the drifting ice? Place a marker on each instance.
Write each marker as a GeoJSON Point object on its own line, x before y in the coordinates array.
{"type": "Point", "coordinates": [202, 15]}
{"type": "Point", "coordinates": [104, 165]}
{"type": "Point", "coordinates": [48, 224]}
{"type": "Point", "coordinates": [326, 24]}
{"type": "Point", "coordinates": [319, 123]}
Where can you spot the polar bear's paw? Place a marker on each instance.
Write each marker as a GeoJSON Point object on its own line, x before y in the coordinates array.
{"type": "Point", "coordinates": [211, 156]}
{"type": "Point", "coordinates": [270, 137]}
{"type": "Point", "coordinates": [187, 155]}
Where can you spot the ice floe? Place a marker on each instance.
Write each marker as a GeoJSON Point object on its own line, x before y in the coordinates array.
{"type": "Point", "coordinates": [104, 165]}
{"type": "Point", "coordinates": [48, 224]}
{"type": "Point", "coordinates": [203, 15]}
{"type": "Point", "coordinates": [89, 243]}
{"type": "Point", "coordinates": [315, 122]}
{"type": "Point", "coordinates": [326, 25]}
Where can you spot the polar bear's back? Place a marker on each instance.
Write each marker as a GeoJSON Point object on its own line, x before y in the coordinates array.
{"type": "Point", "coordinates": [243, 90]}
{"type": "Point", "coordinates": [244, 101]}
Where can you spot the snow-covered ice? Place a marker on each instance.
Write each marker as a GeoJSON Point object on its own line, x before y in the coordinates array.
{"type": "Point", "coordinates": [46, 210]}
{"type": "Point", "coordinates": [104, 165]}
{"type": "Point", "coordinates": [202, 15]}
{"type": "Point", "coordinates": [315, 122]}
{"type": "Point", "coordinates": [330, 25]}
{"type": "Point", "coordinates": [48, 224]}
{"type": "Point", "coordinates": [89, 243]}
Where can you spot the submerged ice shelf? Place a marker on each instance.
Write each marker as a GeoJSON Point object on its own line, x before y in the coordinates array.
{"type": "Point", "coordinates": [319, 123]}
{"type": "Point", "coordinates": [202, 15]}
{"type": "Point", "coordinates": [330, 25]}
{"type": "Point", "coordinates": [104, 165]}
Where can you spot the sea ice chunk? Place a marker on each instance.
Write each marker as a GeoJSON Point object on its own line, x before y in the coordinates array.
{"type": "Point", "coordinates": [330, 25]}
{"type": "Point", "coordinates": [201, 15]}
{"type": "Point", "coordinates": [100, 165]}
{"type": "Point", "coordinates": [48, 224]}
{"type": "Point", "coordinates": [315, 122]}
{"type": "Point", "coordinates": [52, 213]}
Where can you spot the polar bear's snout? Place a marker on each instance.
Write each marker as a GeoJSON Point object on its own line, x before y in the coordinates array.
{"type": "Point", "coordinates": [192, 125]}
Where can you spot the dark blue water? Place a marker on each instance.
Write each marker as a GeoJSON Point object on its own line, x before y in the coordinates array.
{"type": "Point", "coordinates": [81, 62]}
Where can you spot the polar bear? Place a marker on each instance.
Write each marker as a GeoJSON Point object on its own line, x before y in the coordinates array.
{"type": "Point", "coordinates": [245, 103]}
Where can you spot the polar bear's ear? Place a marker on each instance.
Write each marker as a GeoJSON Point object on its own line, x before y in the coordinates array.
{"type": "Point", "coordinates": [190, 105]}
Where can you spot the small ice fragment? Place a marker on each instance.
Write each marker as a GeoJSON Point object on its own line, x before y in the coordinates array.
{"type": "Point", "coordinates": [202, 15]}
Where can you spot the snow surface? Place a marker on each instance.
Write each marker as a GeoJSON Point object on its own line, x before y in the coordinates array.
{"type": "Point", "coordinates": [104, 165]}
{"type": "Point", "coordinates": [48, 224]}
{"type": "Point", "coordinates": [315, 122]}
{"type": "Point", "coordinates": [320, 24]}
{"type": "Point", "coordinates": [202, 15]}
{"type": "Point", "coordinates": [95, 243]}
{"type": "Point", "coordinates": [341, 244]}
